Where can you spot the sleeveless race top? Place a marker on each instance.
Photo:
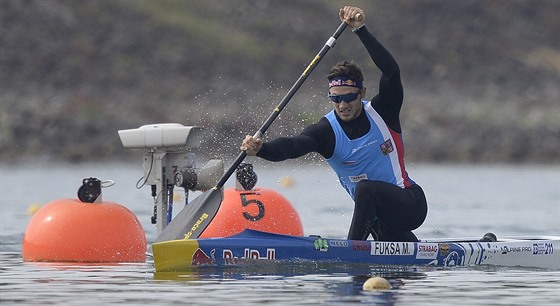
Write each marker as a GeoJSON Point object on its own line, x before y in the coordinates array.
{"type": "Point", "coordinates": [376, 156]}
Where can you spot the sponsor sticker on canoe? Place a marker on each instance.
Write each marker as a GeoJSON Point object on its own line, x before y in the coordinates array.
{"type": "Point", "coordinates": [542, 248]}
{"type": "Point", "coordinates": [427, 251]}
{"type": "Point", "coordinates": [392, 248]}
{"type": "Point", "coordinates": [515, 249]}
{"type": "Point", "coordinates": [338, 243]}
{"type": "Point", "coordinates": [321, 244]}
{"type": "Point", "coordinates": [200, 258]}
{"type": "Point", "coordinates": [228, 255]}
{"type": "Point", "coordinates": [361, 246]}
{"type": "Point", "coordinates": [443, 248]}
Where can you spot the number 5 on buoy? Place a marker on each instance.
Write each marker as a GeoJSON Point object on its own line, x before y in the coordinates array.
{"type": "Point", "coordinates": [258, 209]}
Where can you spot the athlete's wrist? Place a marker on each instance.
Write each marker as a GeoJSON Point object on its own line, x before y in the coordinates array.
{"type": "Point", "coordinates": [359, 28]}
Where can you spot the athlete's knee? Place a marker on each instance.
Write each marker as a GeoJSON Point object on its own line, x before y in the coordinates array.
{"type": "Point", "coordinates": [364, 197]}
{"type": "Point", "coordinates": [366, 189]}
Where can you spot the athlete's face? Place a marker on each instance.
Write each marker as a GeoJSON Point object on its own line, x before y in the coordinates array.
{"type": "Point", "coordinates": [348, 110]}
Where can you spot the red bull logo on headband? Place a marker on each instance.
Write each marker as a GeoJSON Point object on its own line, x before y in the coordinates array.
{"type": "Point", "coordinates": [345, 82]}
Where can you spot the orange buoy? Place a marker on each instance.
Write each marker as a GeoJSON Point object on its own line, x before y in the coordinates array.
{"type": "Point", "coordinates": [258, 209]}
{"type": "Point", "coordinates": [69, 230]}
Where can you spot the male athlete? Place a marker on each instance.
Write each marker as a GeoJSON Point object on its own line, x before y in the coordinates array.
{"type": "Point", "coordinates": [362, 142]}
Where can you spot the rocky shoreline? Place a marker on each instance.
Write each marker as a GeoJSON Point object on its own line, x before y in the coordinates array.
{"type": "Point", "coordinates": [481, 78]}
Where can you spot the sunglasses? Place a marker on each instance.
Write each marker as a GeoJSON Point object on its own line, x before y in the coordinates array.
{"type": "Point", "coordinates": [346, 98]}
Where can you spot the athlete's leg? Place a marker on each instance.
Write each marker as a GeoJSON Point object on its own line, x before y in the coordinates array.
{"type": "Point", "coordinates": [362, 222]}
{"type": "Point", "coordinates": [387, 234]}
{"type": "Point", "coordinates": [397, 210]}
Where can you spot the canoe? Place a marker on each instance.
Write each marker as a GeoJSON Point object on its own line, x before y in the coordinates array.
{"type": "Point", "coordinates": [251, 245]}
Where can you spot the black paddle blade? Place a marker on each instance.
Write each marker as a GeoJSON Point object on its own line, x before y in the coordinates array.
{"type": "Point", "coordinates": [193, 219]}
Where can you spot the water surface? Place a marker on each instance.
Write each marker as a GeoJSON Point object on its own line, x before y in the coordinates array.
{"type": "Point", "coordinates": [464, 200]}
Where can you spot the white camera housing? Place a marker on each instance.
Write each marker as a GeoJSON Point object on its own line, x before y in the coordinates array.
{"type": "Point", "coordinates": [167, 163]}
{"type": "Point", "coordinates": [162, 135]}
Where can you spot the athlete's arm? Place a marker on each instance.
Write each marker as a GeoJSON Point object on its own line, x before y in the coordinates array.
{"type": "Point", "coordinates": [389, 101]}
{"type": "Point", "coordinates": [317, 137]}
